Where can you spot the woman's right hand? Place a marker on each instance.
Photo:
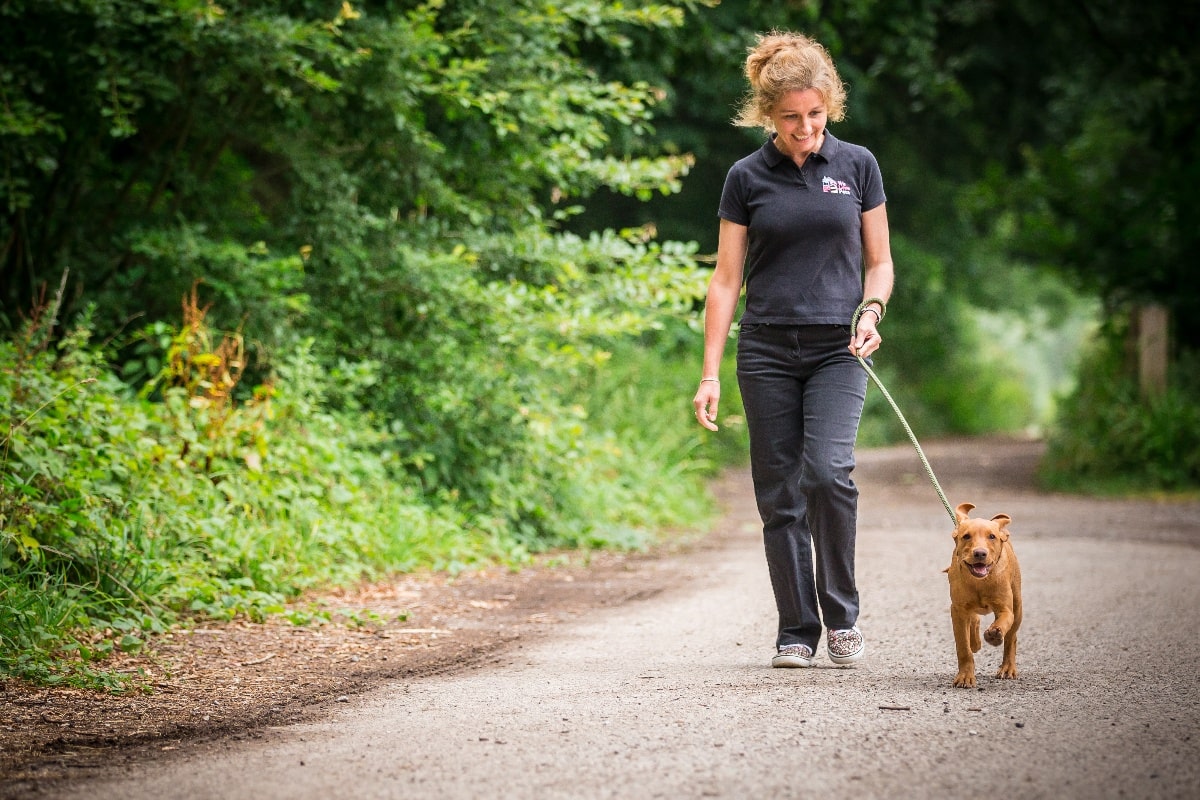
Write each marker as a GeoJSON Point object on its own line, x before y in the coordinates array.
{"type": "Point", "coordinates": [707, 398]}
{"type": "Point", "coordinates": [724, 289]}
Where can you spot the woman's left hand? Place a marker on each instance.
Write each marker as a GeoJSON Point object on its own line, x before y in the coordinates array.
{"type": "Point", "coordinates": [866, 339]}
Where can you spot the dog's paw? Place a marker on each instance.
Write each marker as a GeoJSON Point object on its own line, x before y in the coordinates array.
{"type": "Point", "coordinates": [965, 680]}
{"type": "Point", "coordinates": [994, 636]}
{"type": "Point", "coordinates": [1007, 672]}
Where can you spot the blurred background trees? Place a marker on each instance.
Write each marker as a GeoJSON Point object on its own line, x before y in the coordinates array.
{"type": "Point", "coordinates": [453, 197]}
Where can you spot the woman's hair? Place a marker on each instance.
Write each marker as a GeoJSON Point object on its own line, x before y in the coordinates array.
{"type": "Point", "coordinates": [782, 62]}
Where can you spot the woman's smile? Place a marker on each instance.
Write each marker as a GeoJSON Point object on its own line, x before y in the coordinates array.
{"type": "Point", "coordinates": [799, 119]}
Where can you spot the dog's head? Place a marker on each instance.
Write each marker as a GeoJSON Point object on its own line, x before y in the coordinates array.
{"type": "Point", "coordinates": [978, 543]}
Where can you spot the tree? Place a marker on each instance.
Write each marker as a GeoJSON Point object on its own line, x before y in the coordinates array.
{"type": "Point", "coordinates": [382, 178]}
{"type": "Point", "coordinates": [1107, 194]}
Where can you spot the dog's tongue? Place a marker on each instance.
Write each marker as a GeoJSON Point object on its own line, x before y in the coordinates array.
{"type": "Point", "coordinates": [980, 570]}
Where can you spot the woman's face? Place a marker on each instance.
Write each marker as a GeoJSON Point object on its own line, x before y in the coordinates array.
{"type": "Point", "coordinates": [799, 119]}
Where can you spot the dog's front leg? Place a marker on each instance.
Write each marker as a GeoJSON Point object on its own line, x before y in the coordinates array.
{"type": "Point", "coordinates": [1000, 627]}
{"type": "Point", "coordinates": [964, 622]}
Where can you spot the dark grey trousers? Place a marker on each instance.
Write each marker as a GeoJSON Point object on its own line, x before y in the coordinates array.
{"type": "Point", "coordinates": [803, 392]}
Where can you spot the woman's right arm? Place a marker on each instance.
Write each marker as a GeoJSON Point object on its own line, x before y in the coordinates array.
{"type": "Point", "coordinates": [724, 291]}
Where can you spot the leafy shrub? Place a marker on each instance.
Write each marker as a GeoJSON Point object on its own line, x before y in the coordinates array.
{"type": "Point", "coordinates": [1111, 438]}
{"type": "Point", "coordinates": [476, 352]}
{"type": "Point", "coordinates": [120, 512]}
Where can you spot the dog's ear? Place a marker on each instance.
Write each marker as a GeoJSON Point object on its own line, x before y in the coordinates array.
{"type": "Point", "coordinates": [962, 512]}
{"type": "Point", "coordinates": [1002, 521]}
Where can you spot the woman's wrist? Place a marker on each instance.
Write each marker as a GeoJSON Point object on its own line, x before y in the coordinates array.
{"type": "Point", "coordinates": [870, 303]}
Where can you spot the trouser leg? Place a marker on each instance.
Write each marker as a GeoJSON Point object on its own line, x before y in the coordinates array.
{"type": "Point", "coordinates": [803, 402]}
{"type": "Point", "coordinates": [833, 401]}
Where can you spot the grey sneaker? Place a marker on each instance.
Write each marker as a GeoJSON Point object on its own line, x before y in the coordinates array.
{"type": "Point", "coordinates": [845, 646]}
{"type": "Point", "coordinates": [793, 655]}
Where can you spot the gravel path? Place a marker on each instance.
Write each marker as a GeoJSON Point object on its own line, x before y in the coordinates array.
{"type": "Point", "coordinates": [672, 696]}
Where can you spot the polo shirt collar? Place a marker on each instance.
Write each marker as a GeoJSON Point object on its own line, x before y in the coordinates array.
{"type": "Point", "coordinates": [774, 158]}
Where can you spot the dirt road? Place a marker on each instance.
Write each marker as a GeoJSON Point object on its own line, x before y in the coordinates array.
{"type": "Point", "coordinates": [671, 695]}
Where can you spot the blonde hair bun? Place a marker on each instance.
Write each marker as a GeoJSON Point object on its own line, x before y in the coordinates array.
{"type": "Point", "coordinates": [782, 62]}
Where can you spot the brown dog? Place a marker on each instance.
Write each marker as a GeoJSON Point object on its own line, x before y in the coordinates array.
{"type": "Point", "coordinates": [984, 577]}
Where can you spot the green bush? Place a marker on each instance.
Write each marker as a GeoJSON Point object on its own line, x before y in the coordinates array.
{"type": "Point", "coordinates": [120, 512]}
{"type": "Point", "coordinates": [1110, 438]}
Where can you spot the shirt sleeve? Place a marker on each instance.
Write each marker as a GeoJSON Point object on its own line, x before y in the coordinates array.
{"type": "Point", "coordinates": [733, 198]}
{"type": "Point", "coordinates": [872, 184]}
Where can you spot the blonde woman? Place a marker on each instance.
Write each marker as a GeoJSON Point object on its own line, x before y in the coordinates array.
{"type": "Point", "coordinates": [803, 226]}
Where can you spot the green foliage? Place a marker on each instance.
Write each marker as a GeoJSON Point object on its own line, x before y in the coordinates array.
{"type": "Point", "coordinates": [116, 509]}
{"type": "Point", "coordinates": [138, 121]}
{"type": "Point", "coordinates": [642, 401]}
{"type": "Point", "coordinates": [385, 183]}
{"type": "Point", "coordinates": [1111, 438]}
{"type": "Point", "coordinates": [154, 144]}
{"type": "Point", "coordinates": [1087, 201]}
{"type": "Point", "coordinates": [119, 514]}
{"type": "Point", "coordinates": [384, 338]}
{"type": "Point", "coordinates": [937, 364]}
{"type": "Point", "coordinates": [470, 350]}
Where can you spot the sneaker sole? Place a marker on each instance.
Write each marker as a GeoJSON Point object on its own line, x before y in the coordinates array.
{"type": "Point", "coordinates": [850, 659]}
{"type": "Point", "coordinates": [791, 661]}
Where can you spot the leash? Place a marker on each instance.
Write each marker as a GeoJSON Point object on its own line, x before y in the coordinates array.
{"type": "Point", "coordinates": [911, 436]}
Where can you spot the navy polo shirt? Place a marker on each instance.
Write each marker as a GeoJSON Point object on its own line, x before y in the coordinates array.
{"type": "Point", "coordinates": [804, 258]}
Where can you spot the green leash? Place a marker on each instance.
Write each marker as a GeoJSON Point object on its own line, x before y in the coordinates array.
{"type": "Point", "coordinates": [911, 436]}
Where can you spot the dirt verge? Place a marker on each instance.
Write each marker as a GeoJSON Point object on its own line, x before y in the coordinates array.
{"type": "Point", "coordinates": [230, 679]}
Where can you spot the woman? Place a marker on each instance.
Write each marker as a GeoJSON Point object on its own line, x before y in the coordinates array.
{"type": "Point", "coordinates": [803, 221]}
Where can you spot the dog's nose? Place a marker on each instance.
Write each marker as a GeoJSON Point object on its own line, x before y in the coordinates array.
{"type": "Point", "coordinates": [980, 553]}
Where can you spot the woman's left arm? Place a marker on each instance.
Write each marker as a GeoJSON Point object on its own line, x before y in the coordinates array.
{"type": "Point", "coordinates": [878, 276]}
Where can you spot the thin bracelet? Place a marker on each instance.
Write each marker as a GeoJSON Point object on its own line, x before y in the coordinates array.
{"type": "Point", "coordinates": [714, 380]}
{"type": "Point", "coordinates": [882, 306]}
{"type": "Point", "coordinates": [878, 316]}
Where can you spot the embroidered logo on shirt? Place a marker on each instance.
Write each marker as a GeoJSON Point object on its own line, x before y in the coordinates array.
{"type": "Point", "coordinates": [830, 186]}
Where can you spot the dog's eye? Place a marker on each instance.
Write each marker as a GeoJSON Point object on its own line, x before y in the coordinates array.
{"type": "Point", "coordinates": [991, 536]}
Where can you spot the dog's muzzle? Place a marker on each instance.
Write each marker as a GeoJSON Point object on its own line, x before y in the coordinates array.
{"type": "Point", "coordinates": [979, 570]}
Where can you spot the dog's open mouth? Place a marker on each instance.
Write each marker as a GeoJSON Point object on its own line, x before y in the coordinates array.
{"type": "Point", "coordinates": [980, 570]}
